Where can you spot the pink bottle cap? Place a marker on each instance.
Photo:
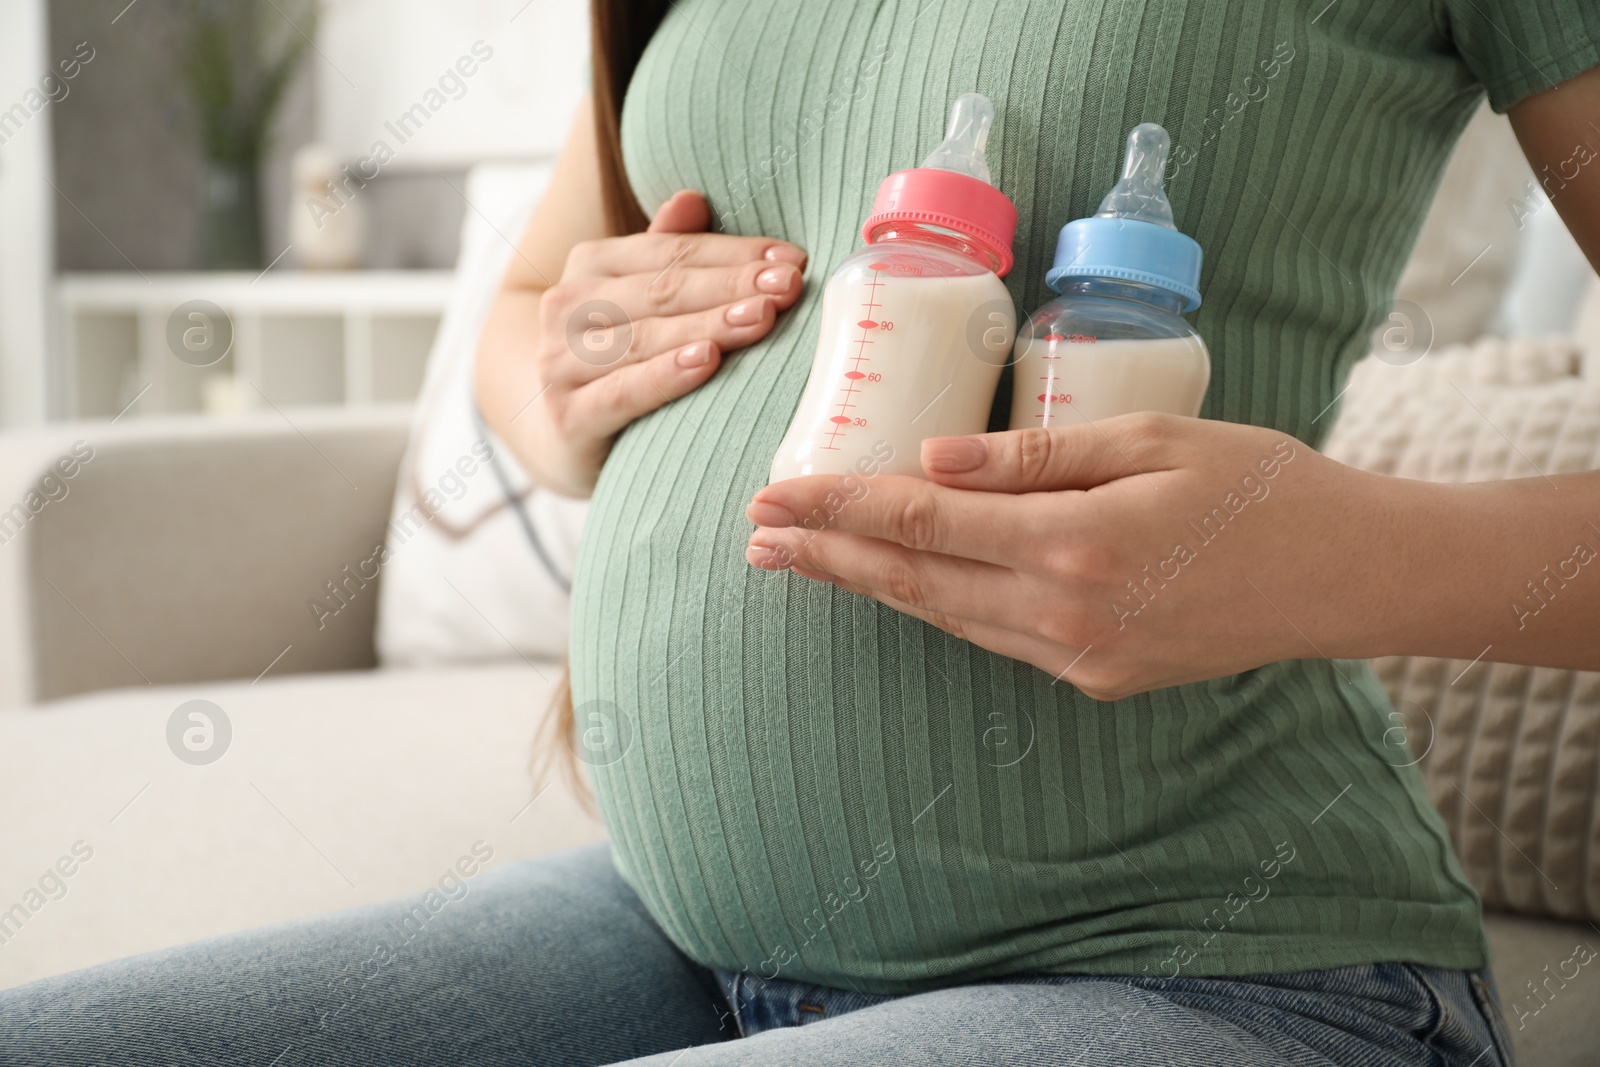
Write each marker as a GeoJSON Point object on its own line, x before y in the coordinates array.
{"type": "Point", "coordinates": [951, 200]}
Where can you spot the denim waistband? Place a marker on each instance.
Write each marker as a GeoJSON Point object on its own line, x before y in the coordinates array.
{"type": "Point", "coordinates": [1454, 1015]}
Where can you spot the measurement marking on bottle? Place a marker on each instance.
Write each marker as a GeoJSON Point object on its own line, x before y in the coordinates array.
{"type": "Point", "coordinates": [855, 379]}
{"type": "Point", "coordinates": [1050, 397]}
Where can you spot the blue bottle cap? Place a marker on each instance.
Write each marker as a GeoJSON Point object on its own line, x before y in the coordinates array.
{"type": "Point", "coordinates": [1132, 237]}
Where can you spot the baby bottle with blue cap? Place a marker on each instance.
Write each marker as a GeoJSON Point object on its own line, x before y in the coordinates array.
{"type": "Point", "coordinates": [1115, 340]}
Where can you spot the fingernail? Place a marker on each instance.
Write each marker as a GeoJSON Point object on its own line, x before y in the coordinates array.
{"type": "Point", "coordinates": [746, 313]}
{"type": "Point", "coordinates": [953, 455]}
{"type": "Point", "coordinates": [785, 254]}
{"type": "Point", "coordinates": [696, 355]}
{"type": "Point", "coordinates": [766, 513]}
{"type": "Point", "coordinates": [776, 279]}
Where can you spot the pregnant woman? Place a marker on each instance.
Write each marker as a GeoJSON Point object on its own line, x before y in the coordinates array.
{"type": "Point", "coordinates": [904, 786]}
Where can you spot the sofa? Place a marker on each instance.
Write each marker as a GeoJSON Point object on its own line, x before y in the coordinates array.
{"type": "Point", "coordinates": [177, 567]}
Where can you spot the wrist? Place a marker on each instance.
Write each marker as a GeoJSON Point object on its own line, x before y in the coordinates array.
{"type": "Point", "coordinates": [1395, 581]}
{"type": "Point", "coordinates": [555, 465]}
{"type": "Point", "coordinates": [1434, 571]}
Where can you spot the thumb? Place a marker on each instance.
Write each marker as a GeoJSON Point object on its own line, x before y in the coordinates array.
{"type": "Point", "coordinates": [686, 211]}
{"type": "Point", "coordinates": [1040, 460]}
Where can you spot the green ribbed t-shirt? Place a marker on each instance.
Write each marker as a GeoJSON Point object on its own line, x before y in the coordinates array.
{"type": "Point", "coordinates": [804, 783]}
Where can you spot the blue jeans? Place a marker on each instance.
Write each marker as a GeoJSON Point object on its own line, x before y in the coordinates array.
{"type": "Point", "coordinates": [555, 962]}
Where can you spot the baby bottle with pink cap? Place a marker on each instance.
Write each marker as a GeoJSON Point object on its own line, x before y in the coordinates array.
{"type": "Point", "coordinates": [916, 326]}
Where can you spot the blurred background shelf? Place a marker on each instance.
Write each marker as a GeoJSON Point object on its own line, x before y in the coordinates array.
{"type": "Point", "coordinates": [298, 338]}
{"type": "Point", "coordinates": [119, 174]}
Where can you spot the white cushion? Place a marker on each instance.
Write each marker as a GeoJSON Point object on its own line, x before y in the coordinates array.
{"type": "Point", "coordinates": [1587, 331]}
{"type": "Point", "coordinates": [1468, 224]}
{"type": "Point", "coordinates": [1493, 256]}
{"type": "Point", "coordinates": [1547, 287]}
{"type": "Point", "coordinates": [473, 582]}
{"type": "Point", "coordinates": [335, 790]}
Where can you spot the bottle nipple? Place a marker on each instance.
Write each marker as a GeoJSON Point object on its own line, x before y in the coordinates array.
{"type": "Point", "coordinates": [1139, 195]}
{"type": "Point", "coordinates": [962, 150]}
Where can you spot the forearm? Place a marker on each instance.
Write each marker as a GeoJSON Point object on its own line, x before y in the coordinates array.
{"type": "Point", "coordinates": [1509, 571]}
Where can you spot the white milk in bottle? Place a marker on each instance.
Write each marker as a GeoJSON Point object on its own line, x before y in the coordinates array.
{"type": "Point", "coordinates": [917, 326]}
{"type": "Point", "coordinates": [1115, 341]}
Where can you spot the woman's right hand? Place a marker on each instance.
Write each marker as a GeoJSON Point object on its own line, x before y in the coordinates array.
{"type": "Point", "coordinates": [635, 322]}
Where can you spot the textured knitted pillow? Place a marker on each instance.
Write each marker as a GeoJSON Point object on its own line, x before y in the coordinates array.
{"type": "Point", "coordinates": [1511, 755]}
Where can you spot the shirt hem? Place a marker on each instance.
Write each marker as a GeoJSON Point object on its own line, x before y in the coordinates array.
{"type": "Point", "coordinates": [1238, 962]}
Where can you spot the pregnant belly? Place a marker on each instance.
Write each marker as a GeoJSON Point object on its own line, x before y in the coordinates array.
{"type": "Point", "coordinates": [783, 779]}
{"type": "Point", "coordinates": [761, 721]}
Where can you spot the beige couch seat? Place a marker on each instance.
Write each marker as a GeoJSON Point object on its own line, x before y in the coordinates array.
{"type": "Point", "coordinates": [336, 789]}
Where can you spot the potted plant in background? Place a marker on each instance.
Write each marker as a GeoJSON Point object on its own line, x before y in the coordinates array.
{"type": "Point", "coordinates": [239, 56]}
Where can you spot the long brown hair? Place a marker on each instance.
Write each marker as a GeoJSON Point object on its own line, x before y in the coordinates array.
{"type": "Point", "coordinates": [619, 31]}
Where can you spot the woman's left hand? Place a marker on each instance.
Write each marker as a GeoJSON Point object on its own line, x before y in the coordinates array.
{"type": "Point", "coordinates": [1121, 556]}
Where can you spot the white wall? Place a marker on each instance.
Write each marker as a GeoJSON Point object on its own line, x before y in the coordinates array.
{"type": "Point", "coordinates": [383, 56]}
{"type": "Point", "coordinates": [26, 217]}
